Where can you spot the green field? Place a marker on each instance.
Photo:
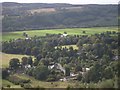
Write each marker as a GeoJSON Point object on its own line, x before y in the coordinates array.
{"type": "Point", "coordinates": [73, 31]}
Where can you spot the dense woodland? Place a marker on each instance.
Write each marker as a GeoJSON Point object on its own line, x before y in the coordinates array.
{"type": "Point", "coordinates": [17, 16]}
{"type": "Point", "coordinates": [98, 52]}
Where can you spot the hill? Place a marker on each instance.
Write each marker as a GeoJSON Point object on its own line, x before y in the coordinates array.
{"type": "Point", "coordinates": [24, 16]}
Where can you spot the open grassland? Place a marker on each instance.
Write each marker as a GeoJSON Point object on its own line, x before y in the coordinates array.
{"type": "Point", "coordinates": [6, 58]}
{"type": "Point", "coordinates": [73, 31]}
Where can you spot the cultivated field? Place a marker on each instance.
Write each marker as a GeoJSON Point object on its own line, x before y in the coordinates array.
{"type": "Point", "coordinates": [74, 31]}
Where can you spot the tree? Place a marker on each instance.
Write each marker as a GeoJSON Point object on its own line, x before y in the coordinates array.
{"type": "Point", "coordinates": [94, 74]}
{"type": "Point", "coordinates": [107, 73]}
{"type": "Point", "coordinates": [35, 51]}
{"type": "Point", "coordinates": [5, 73]}
{"type": "Point", "coordinates": [41, 72]}
{"type": "Point", "coordinates": [38, 57]}
{"type": "Point", "coordinates": [30, 61]}
{"type": "Point", "coordinates": [67, 71]}
{"type": "Point", "coordinates": [79, 77]}
{"type": "Point", "coordinates": [84, 32]}
{"type": "Point", "coordinates": [65, 32]}
{"type": "Point", "coordinates": [78, 68]}
{"type": "Point", "coordinates": [24, 60]}
{"type": "Point", "coordinates": [14, 63]}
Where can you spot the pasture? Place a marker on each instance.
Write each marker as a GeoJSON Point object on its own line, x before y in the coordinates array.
{"type": "Point", "coordinates": [71, 31]}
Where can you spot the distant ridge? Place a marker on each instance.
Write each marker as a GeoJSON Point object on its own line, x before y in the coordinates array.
{"type": "Point", "coordinates": [24, 16]}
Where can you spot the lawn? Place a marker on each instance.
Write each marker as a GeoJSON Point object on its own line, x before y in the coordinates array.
{"type": "Point", "coordinates": [72, 31]}
{"type": "Point", "coordinates": [6, 58]}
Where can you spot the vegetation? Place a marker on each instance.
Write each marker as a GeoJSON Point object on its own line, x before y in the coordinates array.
{"type": "Point", "coordinates": [95, 60]}
{"type": "Point", "coordinates": [60, 46]}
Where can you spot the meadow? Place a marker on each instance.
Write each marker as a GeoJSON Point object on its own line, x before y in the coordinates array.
{"type": "Point", "coordinates": [71, 31]}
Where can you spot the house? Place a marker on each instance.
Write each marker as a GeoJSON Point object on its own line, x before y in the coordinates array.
{"type": "Point", "coordinates": [51, 66]}
{"type": "Point", "coordinates": [57, 66]}
{"type": "Point", "coordinates": [85, 69]}
{"type": "Point", "coordinates": [115, 58]}
{"type": "Point", "coordinates": [63, 79]}
{"type": "Point", "coordinates": [64, 35]}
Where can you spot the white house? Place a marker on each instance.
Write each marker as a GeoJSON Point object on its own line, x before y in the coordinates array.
{"type": "Point", "coordinates": [64, 35]}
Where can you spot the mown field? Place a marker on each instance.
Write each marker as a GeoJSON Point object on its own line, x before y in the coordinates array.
{"type": "Point", "coordinates": [73, 31]}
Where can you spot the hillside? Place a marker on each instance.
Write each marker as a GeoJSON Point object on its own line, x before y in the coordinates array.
{"type": "Point", "coordinates": [22, 16]}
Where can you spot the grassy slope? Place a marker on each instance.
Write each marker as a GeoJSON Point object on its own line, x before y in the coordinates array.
{"type": "Point", "coordinates": [77, 31]}
{"type": "Point", "coordinates": [6, 58]}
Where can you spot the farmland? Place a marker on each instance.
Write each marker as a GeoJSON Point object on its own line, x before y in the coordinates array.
{"type": "Point", "coordinates": [74, 31]}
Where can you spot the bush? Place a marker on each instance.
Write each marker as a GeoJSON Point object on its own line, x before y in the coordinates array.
{"type": "Point", "coordinates": [27, 86]}
{"type": "Point", "coordinates": [8, 86]}
{"type": "Point", "coordinates": [106, 84]}
{"type": "Point", "coordinates": [22, 85]}
{"type": "Point", "coordinates": [79, 77]}
{"type": "Point", "coordinates": [51, 78]}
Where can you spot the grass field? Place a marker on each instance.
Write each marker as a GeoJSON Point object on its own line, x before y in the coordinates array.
{"type": "Point", "coordinates": [74, 31]}
{"type": "Point", "coordinates": [6, 58]}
